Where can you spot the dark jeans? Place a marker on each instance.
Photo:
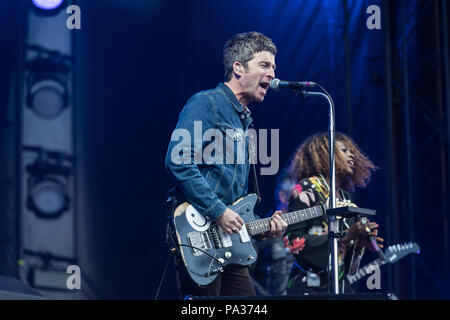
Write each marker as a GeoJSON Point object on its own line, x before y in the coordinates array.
{"type": "Point", "coordinates": [233, 281]}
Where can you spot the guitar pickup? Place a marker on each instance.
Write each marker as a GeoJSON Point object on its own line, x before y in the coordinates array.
{"type": "Point", "coordinates": [198, 240]}
{"type": "Point", "coordinates": [244, 234]}
{"type": "Point", "coordinates": [225, 238]}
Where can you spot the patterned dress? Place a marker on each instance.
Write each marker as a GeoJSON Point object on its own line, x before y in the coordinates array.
{"type": "Point", "coordinates": [309, 273]}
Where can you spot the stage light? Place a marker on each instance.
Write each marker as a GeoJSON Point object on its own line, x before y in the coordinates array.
{"type": "Point", "coordinates": [47, 194]}
{"type": "Point", "coordinates": [48, 198]}
{"type": "Point", "coordinates": [47, 98]}
{"type": "Point", "coordinates": [47, 88]}
{"type": "Point", "coordinates": [47, 7]}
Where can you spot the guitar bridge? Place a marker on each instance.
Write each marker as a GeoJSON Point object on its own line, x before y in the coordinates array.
{"type": "Point", "coordinates": [215, 237]}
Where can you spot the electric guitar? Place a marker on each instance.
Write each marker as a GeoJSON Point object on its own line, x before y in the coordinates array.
{"type": "Point", "coordinates": [206, 248]}
{"type": "Point", "coordinates": [392, 254]}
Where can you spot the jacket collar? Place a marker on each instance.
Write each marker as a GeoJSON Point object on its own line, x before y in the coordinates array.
{"type": "Point", "coordinates": [231, 97]}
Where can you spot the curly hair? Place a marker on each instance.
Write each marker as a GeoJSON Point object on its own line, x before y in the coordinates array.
{"type": "Point", "coordinates": [312, 159]}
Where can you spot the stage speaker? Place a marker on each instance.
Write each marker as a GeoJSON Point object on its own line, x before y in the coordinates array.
{"type": "Point", "coordinates": [14, 289]}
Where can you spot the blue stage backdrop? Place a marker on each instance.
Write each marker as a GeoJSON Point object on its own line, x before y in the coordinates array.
{"type": "Point", "coordinates": [138, 62]}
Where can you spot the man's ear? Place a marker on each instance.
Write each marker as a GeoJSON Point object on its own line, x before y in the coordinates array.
{"type": "Point", "coordinates": [238, 68]}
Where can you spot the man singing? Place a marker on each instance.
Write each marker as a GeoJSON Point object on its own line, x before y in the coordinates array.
{"type": "Point", "coordinates": [249, 62]}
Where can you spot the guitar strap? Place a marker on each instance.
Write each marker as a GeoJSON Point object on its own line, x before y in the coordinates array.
{"type": "Point", "coordinates": [251, 158]}
{"type": "Point", "coordinates": [255, 184]}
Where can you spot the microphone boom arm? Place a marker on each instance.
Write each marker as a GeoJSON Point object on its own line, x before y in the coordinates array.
{"type": "Point", "coordinates": [335, 228]}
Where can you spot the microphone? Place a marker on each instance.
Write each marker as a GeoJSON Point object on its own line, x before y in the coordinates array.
{"type": "Point", "coordinates": [377, 249]}
{"type": "Point", "coordinates": [276, 84]}
{"type": "Point", "coordinates": [374, 243]}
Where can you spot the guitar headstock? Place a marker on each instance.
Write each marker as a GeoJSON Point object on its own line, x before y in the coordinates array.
{"type": "Point", "coordinates": [398, 251]}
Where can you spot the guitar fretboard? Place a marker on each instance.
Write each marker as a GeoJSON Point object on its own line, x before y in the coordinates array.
{"type": "Point", "coordinates": [263, 225]}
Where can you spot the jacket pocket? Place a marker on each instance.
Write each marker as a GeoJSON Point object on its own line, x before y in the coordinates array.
{"type": "Point", "coordinates": [236, 134]}
{"type": "Point", "coordinates": [234, 143]}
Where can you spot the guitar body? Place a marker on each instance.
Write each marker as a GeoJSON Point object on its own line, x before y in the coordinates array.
{"type": "Point", "coordinates": [194, 232]}
{"type": "Point", "coordinates": [206, 248]}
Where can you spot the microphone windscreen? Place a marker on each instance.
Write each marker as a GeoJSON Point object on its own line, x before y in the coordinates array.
{"type": "Point", "coordinates": [274, 83]}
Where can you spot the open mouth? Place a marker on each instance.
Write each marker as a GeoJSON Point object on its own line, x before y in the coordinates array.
{"type": "Point", "coordinates": [264, 85]}
{"type": "Point", "coordinates": [351, 163]}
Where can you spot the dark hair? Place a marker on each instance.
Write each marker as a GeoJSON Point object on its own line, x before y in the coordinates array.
{"type": "Point", "coordinates": [242, 47]}
{"type": "Point", "coordinates": [284, 182]}
{"type": "Point", "coordinates": [312, 159]}
{"type": "Point", "coordinates": [284, 185]}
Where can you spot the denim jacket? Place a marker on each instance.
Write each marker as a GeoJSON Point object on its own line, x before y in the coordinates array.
{"type": "Point", "coordinates": [208, 185]}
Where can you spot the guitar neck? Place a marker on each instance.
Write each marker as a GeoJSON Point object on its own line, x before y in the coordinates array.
{"type": "Point", "coordinates": [393, 254]}
{"type": "Point", "coordinates": [263, 225]}
{"type": "Point", "coordinates": [368, 268]}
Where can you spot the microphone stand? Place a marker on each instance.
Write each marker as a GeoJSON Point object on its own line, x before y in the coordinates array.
{"type": "Point", "coordinates": [335, 231]}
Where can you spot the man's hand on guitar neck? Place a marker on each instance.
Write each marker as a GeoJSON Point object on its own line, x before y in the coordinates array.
{"type": "Point", "coordinates": [230, 221]}
{"type": "Point", "coordinates": [277, 225]}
